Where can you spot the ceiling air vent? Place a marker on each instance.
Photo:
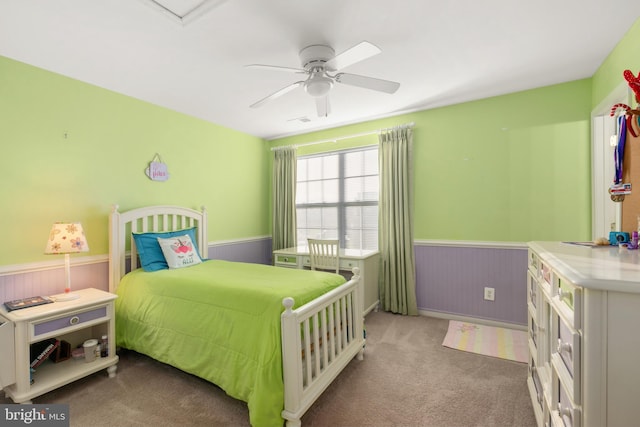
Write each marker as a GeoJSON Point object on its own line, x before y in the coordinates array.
{"type": "Point", "coordinates": [183, 11]}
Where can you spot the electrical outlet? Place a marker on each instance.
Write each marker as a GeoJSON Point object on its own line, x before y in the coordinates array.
{"type": "Point", "coordinates": [489, 294]}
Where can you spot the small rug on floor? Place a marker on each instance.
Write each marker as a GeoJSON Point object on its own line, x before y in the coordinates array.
{"type": "Point", "coordinates": [492, 341]}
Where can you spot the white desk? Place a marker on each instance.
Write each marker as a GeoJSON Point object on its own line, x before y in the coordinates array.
{"type": "Point", "coordinates": [366, 260]}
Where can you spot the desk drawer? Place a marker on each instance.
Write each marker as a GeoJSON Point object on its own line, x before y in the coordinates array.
{"type": "Point", "coordinates": [64, 323]}
{"type": "Point", "coordinates": [290, 261]}
{"type": "Point", "coordinates": [348, 264]}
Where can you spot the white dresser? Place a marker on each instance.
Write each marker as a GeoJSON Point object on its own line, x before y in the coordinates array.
{"type": "Point", "coordinates": [584, 335]}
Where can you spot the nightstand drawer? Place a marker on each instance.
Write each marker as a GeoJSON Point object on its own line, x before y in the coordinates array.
{"type": "Point", "coordinates": [61, 324]}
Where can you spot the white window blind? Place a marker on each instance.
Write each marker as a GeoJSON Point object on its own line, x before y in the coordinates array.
{"type": "Point", "coordinates": [337, 197]}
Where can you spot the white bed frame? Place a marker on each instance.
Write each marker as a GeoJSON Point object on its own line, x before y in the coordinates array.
{"type": "Point", "coordinates": [318, 339]}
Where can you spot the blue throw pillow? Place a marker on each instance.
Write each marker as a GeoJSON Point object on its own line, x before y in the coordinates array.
{"type": "Point", "coordinates": [149, 251]}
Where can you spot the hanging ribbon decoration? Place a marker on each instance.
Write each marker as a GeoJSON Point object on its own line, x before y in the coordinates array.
{"type": "Point", "coordinates": [629, 117]}
{"type": "Point", "coordinates": [618, 154]}
{"type": "Point", "coordinates": [626, 123]}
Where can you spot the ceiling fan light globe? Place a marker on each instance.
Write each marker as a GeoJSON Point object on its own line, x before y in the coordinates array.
{"type": "Point", "coordinates": [318, 87]}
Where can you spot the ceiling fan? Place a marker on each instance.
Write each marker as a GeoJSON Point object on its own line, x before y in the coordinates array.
{"type": "Point", "coordinates": [322, 66]}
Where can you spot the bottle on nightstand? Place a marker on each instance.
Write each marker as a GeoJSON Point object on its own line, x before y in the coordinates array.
{"type": "Point", "coordinates": [104, 346]}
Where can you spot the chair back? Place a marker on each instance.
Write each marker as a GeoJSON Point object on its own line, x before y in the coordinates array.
{"type": "Point", "coordinates": [324, 254]}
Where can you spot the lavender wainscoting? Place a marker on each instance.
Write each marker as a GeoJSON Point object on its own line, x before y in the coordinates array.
{"type": "Point", "coordinates": [27, 280]}
{"type": "Point", "coordinates": [46, 279]}
{"type": "Point", "coordinates": [256, 250]}
{"type": "Point", "coordinates": [451, 277]}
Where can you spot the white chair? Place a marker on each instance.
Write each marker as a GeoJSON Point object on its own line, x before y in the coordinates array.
{"type": "Point", "coordinates": [324, 254]}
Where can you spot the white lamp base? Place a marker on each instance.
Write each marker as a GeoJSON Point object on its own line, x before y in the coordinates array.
{"type": "Point", "coordinates": [66, 297]}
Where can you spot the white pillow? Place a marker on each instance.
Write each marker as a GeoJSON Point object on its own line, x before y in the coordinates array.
{"type": "Point", "coordinates": [179, 251]}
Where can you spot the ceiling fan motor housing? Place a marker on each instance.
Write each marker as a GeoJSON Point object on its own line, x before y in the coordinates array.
{"type": "Point", "coordinates": [315, 56]}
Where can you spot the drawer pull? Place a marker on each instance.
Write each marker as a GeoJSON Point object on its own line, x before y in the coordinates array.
{"type": "Point", "coordinates": [74, 320]}
{"type": "Point", "coordinates": [564, 347]}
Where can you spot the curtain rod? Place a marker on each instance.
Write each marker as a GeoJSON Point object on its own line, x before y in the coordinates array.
{"type": "Point", "coordinates": [339, 138]}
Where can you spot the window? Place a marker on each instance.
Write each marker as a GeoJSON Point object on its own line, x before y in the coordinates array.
{"type": "Point", "coordinates": [337, 198]}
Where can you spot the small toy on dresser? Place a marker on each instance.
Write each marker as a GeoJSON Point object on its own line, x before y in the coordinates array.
{"type": "Point", "coordinates": [633, 243]}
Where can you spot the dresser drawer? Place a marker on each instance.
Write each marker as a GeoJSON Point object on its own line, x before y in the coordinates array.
{"type": "Point", "coordinates": [533, 263]}
{"type": "Point", "coordinates": [545, 273]}
{"type": "Point", "coordinates": [532, 290]}
{"type": "Point", "coordinates": [66, 323]}
{"type": "Point", "coordinates": [533, 328]}
{"type": "Point", "coordinates": [566, 414]}
{"type": "Point", "coordinates": [536, 392]}
{"type": "Point", "coordinates": [568, 302]}
{"type": "Point", "coordinates": [565, 354]}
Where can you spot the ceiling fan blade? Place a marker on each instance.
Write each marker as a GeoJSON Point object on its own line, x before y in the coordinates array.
{"type": "Point", "coordinates": [277, 94]}
{"type": "Point", "coordinates": [277, 68]}
{"type": "Point", "coordinates": [367, 82]}
{"type": "Point", "coordinates": [323, 106]}
{"type": "Point", "coordinates": [357, 53]}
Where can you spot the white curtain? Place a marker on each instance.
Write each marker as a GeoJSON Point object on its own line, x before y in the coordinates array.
{"type": "Point", "coordinates": [397, 283]}
{"type": "Point", "coordinates": [284, 198]}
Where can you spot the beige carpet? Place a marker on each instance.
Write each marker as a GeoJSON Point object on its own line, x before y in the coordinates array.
{"type": "Point", "coordinates": [406, 379]}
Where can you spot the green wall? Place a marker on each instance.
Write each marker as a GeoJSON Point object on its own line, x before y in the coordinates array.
{"type": "Point", "coordinates": [508, 168]}
{"type": "Point", "coordinates": [70, 150]}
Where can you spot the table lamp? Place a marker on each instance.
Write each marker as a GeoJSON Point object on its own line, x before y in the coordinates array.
{"type": "Point", "coordinates": [66, 238]}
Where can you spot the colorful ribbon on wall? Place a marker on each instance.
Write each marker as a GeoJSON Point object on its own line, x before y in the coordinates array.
{"type": "Point", "coordinates": [618, 154]}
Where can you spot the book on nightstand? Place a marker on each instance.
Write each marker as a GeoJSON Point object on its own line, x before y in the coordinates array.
{"type": "Point", "coordinates": [42, 350]}
{"type": "Point", "coordinates": [26, 302]}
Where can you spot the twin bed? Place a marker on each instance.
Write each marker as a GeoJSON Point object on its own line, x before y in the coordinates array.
{"type": "Point", "coordinates": [270, 336]}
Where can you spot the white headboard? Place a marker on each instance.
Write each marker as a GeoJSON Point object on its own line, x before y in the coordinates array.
{"type": "Point", "coordinates": [148, 219]}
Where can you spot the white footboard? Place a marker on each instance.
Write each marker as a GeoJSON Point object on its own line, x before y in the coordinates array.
{"type": "Point", "coordinates": [318, 340]}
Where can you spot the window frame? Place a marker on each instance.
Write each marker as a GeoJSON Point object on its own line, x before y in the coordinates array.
{"type": "Point", "coordinates": [342, 205]}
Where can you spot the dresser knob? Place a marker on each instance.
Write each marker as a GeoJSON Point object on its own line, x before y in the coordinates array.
{"type": "Point", "coordinates": [564, 346]}
{"type": "Point", "coordinates": [564, 412]}
{"type": "Point", "coordinates": [74, 320]}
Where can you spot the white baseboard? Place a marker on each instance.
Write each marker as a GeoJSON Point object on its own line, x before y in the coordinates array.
{"type": "Point", "coordinates": [478, 320]}
{"type": "Point", "coordinates": [374, 307]}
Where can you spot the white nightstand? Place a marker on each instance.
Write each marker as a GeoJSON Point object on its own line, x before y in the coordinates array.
{"type": "Point", "coordinates": [90, 316]}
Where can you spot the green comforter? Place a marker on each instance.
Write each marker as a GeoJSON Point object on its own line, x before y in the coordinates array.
{"type": "Point", "coordinates": [218, 320]}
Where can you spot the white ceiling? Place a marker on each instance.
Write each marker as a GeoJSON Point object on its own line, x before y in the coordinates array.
{"type": "Point", "coordinates": [442, 52]}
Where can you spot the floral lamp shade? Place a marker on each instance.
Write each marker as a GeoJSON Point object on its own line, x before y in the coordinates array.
{"type": "Point", "coordinates": [66, 238]}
